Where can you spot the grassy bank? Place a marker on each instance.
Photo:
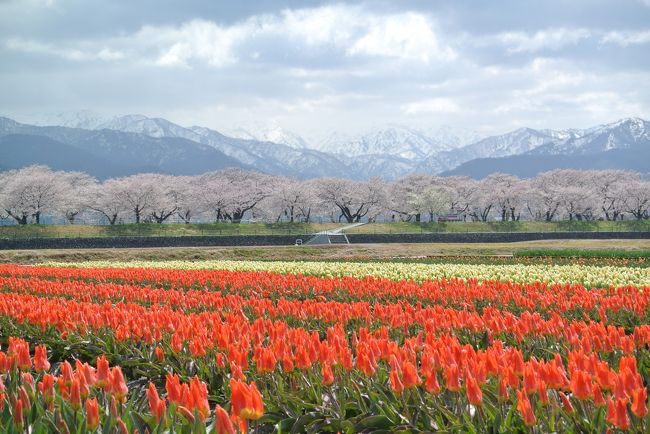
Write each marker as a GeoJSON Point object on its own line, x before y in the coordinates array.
{"type": "Point", "coordinates": [521, 226]}
{"type": "Point", "coordinates": [583, 253]}
{"type": "Point", "coordinates": [165, 230]}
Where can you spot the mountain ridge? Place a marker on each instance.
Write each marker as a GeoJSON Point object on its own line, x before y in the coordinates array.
{"type": "Point", "coordinates": [137, 141]}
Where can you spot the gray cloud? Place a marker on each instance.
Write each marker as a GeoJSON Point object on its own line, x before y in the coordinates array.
{"type": "Point", "coordinates": [316, 66]}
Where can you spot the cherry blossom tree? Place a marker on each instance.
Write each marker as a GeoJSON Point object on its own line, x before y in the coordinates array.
{"type": "Point", "coordinates": [352, 199]}
{"type": "Point", "coordinates": [78, 187]}
{"type": "Point", "coordinates": [105, 199]}
{"type": "Point", "coordinates": [609, 188]}
{"type": "Point", "coordinates": [461, 191]}
{"type": "Point", "coordinates": [544, 195]}
{"type": "Point", "coordinates": [431, 201]}
{"type": "Point", "coordinates": [290, 200]}
{"type": "Point", "coordinates": [506, 192]}
{"type": "Point", "coordinates": [32, 191]}
{"type": "Point", "coordinates": [402, 196]}
{"type": "Point", "coordinates": [636, 199]}
{"type": "Point", "coordinates": [231, 193]}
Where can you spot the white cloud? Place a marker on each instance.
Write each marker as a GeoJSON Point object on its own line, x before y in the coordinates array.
{"type": "Point", "coordinates": [433, 105]}
{"type": "Point", "coordinates": [346, 31]}
{"type": "Point", "coordinates": [407, 36]}
{"type": "Point", "coordinates": [73, 54]}
{"type": "Point", "coordinates": [549, 39]}
{"type": "Point", "coordinates": [626, 38]}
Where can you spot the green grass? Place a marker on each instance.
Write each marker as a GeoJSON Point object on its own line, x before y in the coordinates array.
{"type": "Point", "coordinates": [583, 253]}
{"type": "Point", "coordinates": [153, 229]}
{"type": "Point", "coordinates": [521, 226]}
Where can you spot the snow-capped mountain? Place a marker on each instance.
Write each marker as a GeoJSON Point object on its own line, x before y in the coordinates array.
{"type": "Point", "coordinates": [451, 137]}
{"type": "Point", "coordinates": [516, 142]}
{"type": "Point", "coordinates": [395, 140]}
{"type": "Point", "coordinates": [267, 156]}
{"type": "Point", "coordinates": [140, 124]}
{"type": "Point", "coordinates": [137, 142]}
{"type": "Point", "coordinates": [624, 144]}
{"type": "Point", "coordinates": [271, 132]}
{"type": "Point", "coordinates": [85, 119]}
{"type": "Point", "coordinates": [622, 134]}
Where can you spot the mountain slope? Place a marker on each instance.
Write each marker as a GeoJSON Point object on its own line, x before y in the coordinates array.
{"type": "Point", "coordinates": [394, 140]}
{"type": "Point", "coordinates": [527, 166]}
{"type": "Point", "coordinates": [624, 144]}
{"type": "Point", "coordinates": [626, 133]}
{"type": "Point", "coordinates": [20, 150]}
{"type": "Point", "coordinates": [136, 152]}
{"type": "Point", "coordinates": [136, 143]}
{"type": "Point", "coordinates": [513, 143]}
{"type": "Point", "coordinates": [275, 158]}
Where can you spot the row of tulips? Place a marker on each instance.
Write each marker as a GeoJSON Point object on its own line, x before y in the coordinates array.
{"type": "Point", "coordinates": [207, 329]}
{"type": "Point", "coordinates": [322, 365]}
{"type": "Point", "coordinates": [588, 275]}
{"type": "Point", "coordinates": [187, 289]}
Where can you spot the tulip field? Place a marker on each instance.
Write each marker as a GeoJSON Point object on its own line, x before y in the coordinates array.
{"type": "Point", "coordinates": [312, 347]}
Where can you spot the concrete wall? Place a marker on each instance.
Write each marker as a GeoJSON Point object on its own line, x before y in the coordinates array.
{"type": "Point", "coordinates": [122, 242]}
{"type": "Point", "coordinates": [287, 240]}
{"type": "Point", "coordinates": [492, 237]}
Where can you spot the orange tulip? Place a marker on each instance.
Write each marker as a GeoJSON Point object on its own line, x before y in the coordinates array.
{"type": "Point", "coordinates": [452, 378]}
{"type": "Point", "coordinates": [223, 424]}
{"type": "Point", "coordinates": [410, 375]}
{"type": "Point", "coordinates": [525, 409]}
{"type": "Point", "coordinates": [75, 394]}
{"type": "Point", "coordinates": [92, 414]}
{"type": "Point", "coordinates": [102, 372]}
{"type": "Point", "coordinates": [396, 382]}
{"type": "Point", "coordinates": [474, 394]}
{"type": "Point", "coordinates": [328, 375]}
{"type": "Point", "coordinates": [599, 399]}
{"type": "Point", "coordinates": [156, 405]}
{"type": "Point", "coordinates": [246, 401]}
{"type": "Point", "coordinates": [121, 427]}
{"type": "Point", "coordinates": [173, 388]}
{"type": "Point", "coordinates": [41, 363]}
{"type": "Point", "coordinates": [46, 387]}
{"type": "Point", "coordinates": [118, 386]}
{"type": "Point", "coordinates": [431, 382]}
{"type": "Point", "coordinates": [617, 413]}
{"type": "Point", "coordinates": [258, 403]}
{"type": "Point", "coordinates": [566, 403]}
{"type": "Point", "coordinates": [581, 385]}
{"type": "Point", "coordinates": [503, 389]}
{"type": "Point", "coordinates": [18, 416]}
{"type": "Point", "coordinates": [159, 353]}
{"type": "Point", "coordinates": [640, 402]}
{"type": "Point", "coordinates": [199, 398]}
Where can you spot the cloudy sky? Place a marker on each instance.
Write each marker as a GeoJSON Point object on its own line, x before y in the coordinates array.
{"type": "Point", "coordinates": [314, 67]}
